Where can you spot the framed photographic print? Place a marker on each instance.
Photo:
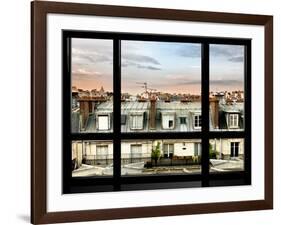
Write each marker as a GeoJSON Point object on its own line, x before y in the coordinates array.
{"type": "Point", "coordinates": [141, 112]}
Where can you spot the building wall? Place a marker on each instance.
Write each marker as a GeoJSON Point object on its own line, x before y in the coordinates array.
{"type": "Point", "coordinates": [224, 146]}
{"type": "Point", "coordinates": [88, 150]}
{"type": "Point", "coordinates": [91, 149]}
{"type": "Point", "coordinates": [180, 151]}
{"type": "Point", "coordinates": [126, 148]}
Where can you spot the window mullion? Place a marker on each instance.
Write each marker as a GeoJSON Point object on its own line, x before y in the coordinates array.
{"type": "Point", "coordinates": [205, 113]}
{"type": "Point", "coordinates": [117, 112]}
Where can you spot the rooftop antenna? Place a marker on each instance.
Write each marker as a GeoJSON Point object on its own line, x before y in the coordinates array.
{"type": "Point", "coordinates": [146, 89]}
{"type": "Point", "coordinates": [144, 85]}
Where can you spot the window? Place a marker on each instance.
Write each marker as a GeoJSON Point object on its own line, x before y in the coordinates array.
{"type": "Point", "coordinates": [136, 122]}
{"type": "Point", "coordinates": [234, 148]}
{"type": "Point", "coordinates": [102, 151]}
{"type": "Point", "coordinates": [168, 118]}
{"type": "Point", "coordinates": [91, 84]}
{"type": "Point", "coordinates": [168, 121]}
{"type": "Point", "coordinates": [233, 120]}
{"type": "Point", "coordinates": [168, 150]}
{"type": "Point", "coordinates": [182, 120]}
{"type": "Point", "coordinates": [103, 122]}
{"type": "Point", "coordinates": [136, 153]}
{"type": "Point", "coordinates": [197, 149]}
{"type": "Point", "coordinates": [227, 102]}
{"type": "Point", "coordinates": [123, 119]}
{"type": "Point", "coordinates": [197, 121]}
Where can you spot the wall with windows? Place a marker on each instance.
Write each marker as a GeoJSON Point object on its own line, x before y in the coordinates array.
{"type": "Point", "coordinates": [225, 146]}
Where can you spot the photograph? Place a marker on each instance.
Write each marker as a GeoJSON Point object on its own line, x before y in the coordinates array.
{"type": "Point", "coordinates": [160, 92]}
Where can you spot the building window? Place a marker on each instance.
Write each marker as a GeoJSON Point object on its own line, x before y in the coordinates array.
{"type": "Point", "coordinates": [234, 149]}
{"type": "Point", "coordinates": [233, 120]}
{"type": "Point", "coordinates": [168, 121]}
{"type": "Point", "coordinates": [197, 149]}
{"type": "Point", "coordinates": [136, 152]}
{"type": "Point", "coordinates": [168, 150]}
{"type": "Point", "coordinates": [197, 121]}
{"type": "Point", "coordinates": [102, 152]}
{"type": "Point", "coordinates": [103, 122]}
{"type": "Point", "coordinates": [136, 122]}
{"type": "Point", "coordinates": [123, 119]}
{"type": "Point", "coordinates": [182, 120]}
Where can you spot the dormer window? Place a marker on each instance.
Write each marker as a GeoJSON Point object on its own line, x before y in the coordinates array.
{"type": "Point", "coordinates": [168, 121]}
{"type": "Point", "coordinates": [123, 119]}
{"type": "Point", "coordinates": [103, 122]}
{"type": "Point", "coordinates": [182, 120]}
{"type": "Point", "coordinates": [233, 121]}
{"type": "Point", "coordinates": [136, 121]}
{"type": "Point", "coordinates": [197, 121]}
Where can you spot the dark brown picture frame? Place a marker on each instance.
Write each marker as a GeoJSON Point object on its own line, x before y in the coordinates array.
{"type": "Point", "coordinates": [39, 11]}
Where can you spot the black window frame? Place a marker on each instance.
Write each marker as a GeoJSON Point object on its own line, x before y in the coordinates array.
{"type": "Point", "coordinates": [123, 183]}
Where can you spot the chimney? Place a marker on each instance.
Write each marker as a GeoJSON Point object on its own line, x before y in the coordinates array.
{"type": "Point", "coordinates": [152, 114]}
{"type": "Point", "coordinates": [84, 112]}
{"type": "Point", "coordinates": [214, 105]}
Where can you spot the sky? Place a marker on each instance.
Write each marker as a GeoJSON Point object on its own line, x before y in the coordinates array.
{"type": "Point", "coordinates": [226, 67]}
{"type": "Point", "coordinates": [165, 66]}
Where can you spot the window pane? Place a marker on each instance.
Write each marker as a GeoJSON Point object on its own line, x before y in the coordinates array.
{"type": "Point", "coordinates": [226, 155]}
{"type": "Point", "coordinates": [92, 158]}
{"type": "Point", "coordinates": [92, 85]}
{"type": "Point", "coordinates": [149, 157]}
{"type": "Point", "coordinates": [162, 82]}
{"type": "Point", "coordinates": [227, 87]}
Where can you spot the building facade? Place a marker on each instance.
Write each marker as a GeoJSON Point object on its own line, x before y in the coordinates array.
{"type": "Point", "coordinates": [95, 115]}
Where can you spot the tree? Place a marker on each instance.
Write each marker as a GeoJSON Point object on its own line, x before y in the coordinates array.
{"type": "Point", "coordinates": [212, 153]}
{"type": "Point", "coordinates": [156, 153]}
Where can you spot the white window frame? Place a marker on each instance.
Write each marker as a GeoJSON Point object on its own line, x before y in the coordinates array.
{"type": "Point", "coordinates": [99, 127]}
{"type": "Point", "coordinates": [170, 149]}
{"type": "Point", "coordinates": [196, 121]}
{"type": "Point", "coordinates": [134, 124]}
{"type": "Point", "coordinates": [166, 126]}
{"type": "Point", "coordinates": [233, 120]}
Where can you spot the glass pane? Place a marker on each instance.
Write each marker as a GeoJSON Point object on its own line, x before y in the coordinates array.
{"type": "Point", "coordinates": [161, 86]}
{"type": "Point", "coordinates": [92, 85]}
{"type": "Point", "coordinates": [92, 158]}
{"type": "Point", "coordinates": [226, 155]}
{"type": "Point", "coordinates": [149, 157]}
{"type": "Point", "coordinates": [227, 87]}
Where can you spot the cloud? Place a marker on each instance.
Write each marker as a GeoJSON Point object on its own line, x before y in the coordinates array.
{"type": "Point", "coordinates": [189, 50]}
{"type": "Point", "coordinates": [230, 82]}
{"type": "Point", "coordinates": [140, 58]}
{"type": "Point", "coordinates": [148, 67]}
{"type": "Point", "coordinates": [90, 57]}
{"type": "Point", "coordinates": [236, 59]}
{"type": "Point", "coordinates": [189, 82]}
{"type": "Point", "coordinates": [226, 82]}
{"type": "Point", "coordinates": [83, 74]}
{"type": "Point", "coordinates": [233, 53]}
{"type": "Point", "coordinates": [139, 66]}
